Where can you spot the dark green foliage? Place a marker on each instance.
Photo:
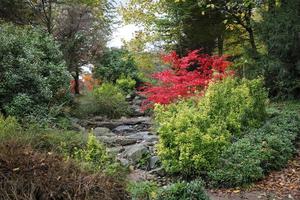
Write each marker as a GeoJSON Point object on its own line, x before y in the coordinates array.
{"type": "Point", "coordinates": [260, 151]}
{"type": "Point", "coordinates": [114, 64]}
{"type": "Point", "coordinates": [33, 76]}
{"type": "Point", "coordinates": [183, 191]}
{"type": "Point", "coordinates": [279, 30]}
{"type": "Point", "coordinates": [145, 190]}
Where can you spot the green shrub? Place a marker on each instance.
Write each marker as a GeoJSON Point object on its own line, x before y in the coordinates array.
{"type": "Point", "coordinates": [260, 151]}
{"type": "Point", "coordinates": [110, 101]}
{"type": "Point", "coordinates": [126, 84]}
{"type": "Point", "coordinates": [59, 141]}
{"type": "Point", "coordinates": [33, 75]}
{"type": "Point", "coordinates": [94, 154]}
{"type": "Point", "coordinates": [9, 128]}
{"type": "Point", "coordinates": [193, 134]}
{"type": "Point", "coordinates": [183, 191]}
{"type": "Point", "coordinates": [145, 190]}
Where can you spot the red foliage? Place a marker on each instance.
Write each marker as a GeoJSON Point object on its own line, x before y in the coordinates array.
{"type": "Point", "coordinates": [188, 76]}
{"type": "Point", "coordinates": [87, 82]}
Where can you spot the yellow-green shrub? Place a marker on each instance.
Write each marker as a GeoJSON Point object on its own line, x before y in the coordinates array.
{"type": "Point", "coordinates": [126, 84]}
{"type": "Point", "coordinates": [193, 133]}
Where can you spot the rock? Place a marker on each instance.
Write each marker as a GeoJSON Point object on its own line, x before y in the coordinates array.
{"type": "Point", "coordinates": [115, 150]}
{"type": "Point", "coordinates": [154, 160]}
{"type": "Point", "coordinates": [124, 128]}
{"type": "Point", "coordinates": [151, 138]}
{"type": "Point", "coordinates": [124, 162]}
{"type": "Point", "coordinates": [123, 121]}
{"type": "Point", "coordinates": [158, 171]}
{"type": "Point", "coordinates": [103, 131]}
{"type": "Point", "coordinates": [124, 141]}
{"type": "Point", "coordinates": [109, 141]}
{"type": "Point", "coordinates": [136, 152]}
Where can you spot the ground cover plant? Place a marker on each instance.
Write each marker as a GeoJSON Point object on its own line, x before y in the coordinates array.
{"type": "Point", "coordinates": [28, 174]}
{"type": "Point", "coordinates": [260, 151]}
{"type": "Point", "coordinates": [66, 158]}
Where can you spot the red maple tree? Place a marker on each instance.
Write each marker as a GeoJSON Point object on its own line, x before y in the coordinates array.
{"type": "Point", "coordinates": [188, 76]}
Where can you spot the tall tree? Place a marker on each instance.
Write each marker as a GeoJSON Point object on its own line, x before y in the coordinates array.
{"type": "Point", "coordinates": [179, 25]}
{"type": "Point", "coordinates": [83, 30]}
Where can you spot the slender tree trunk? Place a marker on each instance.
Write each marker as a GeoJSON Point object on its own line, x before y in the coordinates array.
{"type": "Point", "coordinates": [250, 31]}
{"type": "Point", "coordinates": [77, 83]}
{"type": "Point", "coordinates": [220, 43]}
{"type": "Point", "coordinates": [272, 5]}
{"type": "Point", "coordinates": [252, 39]}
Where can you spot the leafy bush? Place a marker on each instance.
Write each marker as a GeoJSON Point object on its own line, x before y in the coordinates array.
{"type": "Point", "coordinates": [183, 191]}
{"type": "Point", "coordinates": [9, 128]}
{"type": "Point", "coordinates": [126, 84]}
{"type": "Point", "coordinates": [114, 64]}
{"type": "Point", "coordinates": [260, 151]}
{"type": "Point", "coordinates": [94, 154]}
{"type": "Point", "coordinates": [143, 190]}
{"type": "Point", "coordinates": [110, 101]}
{"type": "Point", "coordinates": [193, 134]}
{"type": "Point", "coordinates": [59, 141]}
{"type": "Point", "coordinates": [33, 75]}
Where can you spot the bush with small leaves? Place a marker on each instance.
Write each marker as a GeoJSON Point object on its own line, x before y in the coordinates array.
{"type": "Point", "coordinates": [194, 133]}
{"type": "Point", "coordinates": [126, 84]}
{"type": "Point", "coordinates": [33, 74]}
{"type": "Point", "coordinates": [144, 190]}
{"type": "Point", "coordinates": [183, 191]}
{"type": "Point", "coordinates": [260, 151]}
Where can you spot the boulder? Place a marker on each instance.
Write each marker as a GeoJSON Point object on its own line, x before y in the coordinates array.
{"type": "Point", "coordinates": [135, 152]}
{"type": "Point", "coordinates": [154, 161]}
{"type": "Point", "coordinates": [103, 131]}
{"type": "Point", "coordinates": [124, 128]}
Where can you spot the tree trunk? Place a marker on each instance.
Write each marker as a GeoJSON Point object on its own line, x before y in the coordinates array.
{"type": "Point", "coordinates": [220, 45]}
{"type": "Point", "coordinates": [252, 39]}
{"type": "Point", "coordinates": [77, 83]}
{"type": "Point", "coordinates": [272, 5]}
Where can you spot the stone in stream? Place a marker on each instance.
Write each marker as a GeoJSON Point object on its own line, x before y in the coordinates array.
{"type": "Point", "coordinates": [103, 131]}
{"type": "Point", "coordinates": [118, 140]}
{"type": "Point", "coordinates": [158, 171]}
{"type": "Point", "coordinates": [123, 121]}
{"type": "Point", "coordinates": [124, 128]}
{"type": "Point", "coordinates": [135, 152]}
{"type": "Point", "coordinates": [154, 161]}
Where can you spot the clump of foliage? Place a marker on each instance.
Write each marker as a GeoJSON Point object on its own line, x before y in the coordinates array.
{"type": "Point", "coordinates": [187, 77]}
{"type": "Point", "coordinates": [183, 191]}
{"type": "Point", "coordinates": [23, 171]}
{"type": "Point", "coordinates": [180, 190]}
{"type": "Point", "coordinates": [94, 154]}
{"type": "Point", "coordinates": [42, 139]}
{"type": "Point", "coordinates": [260, 151]}
{"type": "Point", "coordinates": [126, 84]}
{"type": "Point", "coordinates": [33, 76]}
{"type": "Point", "coordinates": [110, 101]}
{"type": "Point", "coordinates": [144, 190]}
{"type": "Point", "coordinates": [113, 64]}
{"type": "Point", "coordinates": [194, 133]}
